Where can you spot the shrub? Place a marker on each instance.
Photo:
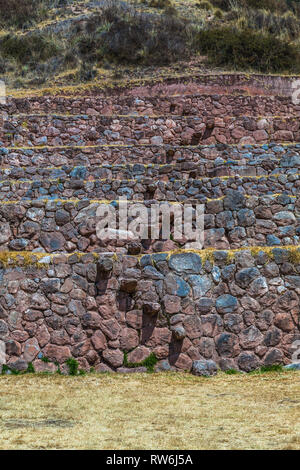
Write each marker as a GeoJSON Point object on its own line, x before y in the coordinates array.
{"type": "Point", "coordinates": [272, 368]}
{"type": "Point", "coordinates": [224, 5]}
{"type": "Point", "coordinates": [149, 362]}
{"type": "Point", "coordinates": [28, 49]}
{"type": "Point", "coordinates": [133, 38]}
{"type": "Point", "coordinates": [160, 3]}
{"type": "Point", "coordinates": [264, 21]}
{"type": "Point", "coordinates": [21, 13]}
{"type": "Point", "coordinates": [294, 5]}
{"type": "Point", "coordinates": [86, 72]}
{"type": "Point", "coordinates": [248, 50]}
{"type": "Point", "coordinates": [204, 5]}
{"type": "Point", "coordinates": [270, 5]}
{"type": "Point", "coordinates": [232, 372]}
{"type": "Point", "coordinates": [218, 13]}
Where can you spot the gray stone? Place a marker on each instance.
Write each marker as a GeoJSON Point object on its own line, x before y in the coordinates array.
{"type": "Point", "coordinates": [245, 276]}
{"type": "Point", "coordinates": [179, 332]}
{"type": "Point", "coordinates": [200, 284]}
{"type": "Point", "coordinates": [186, 263]}
{"type": "Point", "coordinates": [293, 366]}
{"type": "Point", "coordinates": [226, 303]}
{"type": "Point", "coordinates": [204, 368]}
{"type": "Point", "coordinates": [248, 361]}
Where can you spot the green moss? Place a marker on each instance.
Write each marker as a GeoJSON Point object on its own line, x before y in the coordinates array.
{"type": "Point", "coordinates": [5, 369]}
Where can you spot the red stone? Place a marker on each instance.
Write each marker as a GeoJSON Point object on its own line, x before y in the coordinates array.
{"type": "Point", "coordinates": [41, 366]}
{"type": "Point", "coordinates": [114, 357]}
{"type": "Point", "coordinates": [129, 339]}
{"type": "Point", "coordinates": [57, 353]}
{"type": "Point", "coordinates": [31, 349]}
{"type": "Point", "coordinates": [99, 341]}
{"type": "Point", "coordinates": [139, 354]}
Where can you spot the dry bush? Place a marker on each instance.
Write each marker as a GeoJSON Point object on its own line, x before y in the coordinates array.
{"type": "Point", "coordinates": [244, 50]}
{"type": "Point", "coordinates": [20, 13]}
{"type": "Point", "coordinates": [279, 25]}
{"type": "Point", "coordinates": [125, 36]}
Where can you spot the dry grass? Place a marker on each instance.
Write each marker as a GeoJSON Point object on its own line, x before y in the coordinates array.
{"type": "Point", "coordinates": [163, 411]}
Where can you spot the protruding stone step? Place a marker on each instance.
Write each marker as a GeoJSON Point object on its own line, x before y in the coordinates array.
{"type": "Point", "coordinates": [142, 188]}
{"type": "Point", "coordinates": [263, 165]}
{"type": "Point", "coordinates": [219, 154]}
{"type": "Point", "coordinates": [181, 104]}
{"type": "Point", "coordinates": [230, 222]}
{"type": "Point", "coordinates": [176, 130]}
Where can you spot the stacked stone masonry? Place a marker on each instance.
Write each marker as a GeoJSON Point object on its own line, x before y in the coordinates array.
{"type": "Point", "coordinates": [145, 188]}
{"type": "Point", "coordinates": [212, 155]}
{"type": "Point", "coordinates": [230, 142]}
{"type": "Point", "coordinates": [55, 130]}
{"type": "Point", "coordinates": [188, 105]}
{"type": "Point", "coordinates": [234, 221]}
{"type": "Point", "coordinates": [240, 311]}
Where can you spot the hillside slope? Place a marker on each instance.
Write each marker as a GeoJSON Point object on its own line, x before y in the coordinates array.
{"type": "Point", "coordinates": [57, 42]}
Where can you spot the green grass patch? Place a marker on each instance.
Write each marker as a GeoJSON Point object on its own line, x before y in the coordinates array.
{"type": "Point", "coordinates": [149, 362]}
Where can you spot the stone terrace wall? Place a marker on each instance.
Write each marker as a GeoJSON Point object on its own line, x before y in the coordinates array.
{"type": "Point", "coordinates": [254, 84]}
{"type": "Point", "coordinates": [219, 154]}
{"type": "Point", "coordinates": [230, 222]}
{"type": "Point", "coordinates": [87, 130]}
{"type": "Point", "coordinates": [144, 188]}
{"type": "Point", "coordinates": [244, 163]}
{"type": "Point", "coordinates": [237, 83]}
{"type": "Point", "coordinates": [215, 105]}
{"type": "Point", "coordinates": [238, 309]}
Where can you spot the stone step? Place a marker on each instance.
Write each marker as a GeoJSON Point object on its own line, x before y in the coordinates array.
{"type": "Point", "coordinates": [180, 104]}
{"type": "Point", "coordinates": [55, 130]}
{"type": "Point", "coordinates": [149, 154]}
{"type": "Point", "coordinates": [179, 84]}
{"type": "Point", "coordinates": [265, 164]}
{"type": "Point", "coordinates": [233, 221]}
{"type": "Point", "coordinates": [237, 308]}
{"type": "Point", "coordinates": [142, 188]}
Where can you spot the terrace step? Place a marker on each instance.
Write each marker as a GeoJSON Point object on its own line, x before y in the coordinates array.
{"type": "Point", "coordinates": [176, 130]}
{"type": "Point", "coordinates": [196, 104]}
{"type": "Point", "coordinates": [233, 221]}
{"type": "Point", "coordinates": [159, 172]}
{"type": "Point", "coordinates": [149, 154]}
{"type": "Point", "coordinates": [182, 84]}
{"type": "Point", "coordinates": [261, 165]}
{"type": "Point", "coordinates": [141, 188]}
